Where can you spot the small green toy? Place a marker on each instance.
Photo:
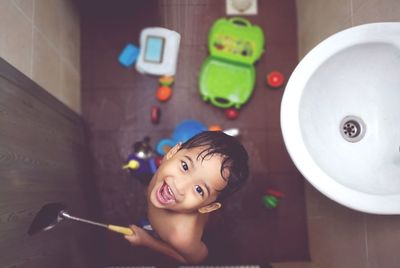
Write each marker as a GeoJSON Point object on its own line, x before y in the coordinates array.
{"type": "Point", "coordinates": [227, 76]}
{"type": "Point", "coordinates": [271, 200]}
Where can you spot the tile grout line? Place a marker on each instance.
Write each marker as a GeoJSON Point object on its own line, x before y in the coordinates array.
{"type": "Point", "coordinates": [31, 22]}
{"type": "Point", "coordinates": [366, 241]}
{"type": "Point", "coordinates": [351, 13]}
{"type": "Point", "coordinates": [33, 36]}
{"type": "Point", "coordinates": [22, 12]}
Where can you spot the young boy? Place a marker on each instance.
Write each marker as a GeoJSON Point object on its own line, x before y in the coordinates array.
{"type": "Point", "coordinates": [191, 181]}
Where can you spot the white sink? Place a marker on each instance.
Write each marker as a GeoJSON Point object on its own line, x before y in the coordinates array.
{"type": "Point", "coordinates": [350, 80]}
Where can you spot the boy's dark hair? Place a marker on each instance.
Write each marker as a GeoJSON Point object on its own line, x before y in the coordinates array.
{"type": "Point", "coordinates": [235, 157]}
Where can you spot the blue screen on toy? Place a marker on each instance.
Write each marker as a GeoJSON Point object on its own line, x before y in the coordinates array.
{"type": "Point", "coordinates": [154, 49]}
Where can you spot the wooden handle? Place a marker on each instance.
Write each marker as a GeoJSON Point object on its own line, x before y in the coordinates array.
{"type": "Point", "coordinates": [120, 229]}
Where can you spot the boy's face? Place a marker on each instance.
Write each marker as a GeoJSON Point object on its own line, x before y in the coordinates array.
{"type": "Point", "coordinates": [187, 183]}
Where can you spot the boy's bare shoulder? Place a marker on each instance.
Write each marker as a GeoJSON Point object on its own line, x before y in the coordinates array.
{"type": "Point", "coordinates": [186, 239]}
{"type": "Point", "coordinates": [189, 244]}
{"type": "Point", "coordinates": [184, 234]}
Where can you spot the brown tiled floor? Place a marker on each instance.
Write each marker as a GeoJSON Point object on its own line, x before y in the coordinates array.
{"type": "Point", "coordinates": [116, 106]}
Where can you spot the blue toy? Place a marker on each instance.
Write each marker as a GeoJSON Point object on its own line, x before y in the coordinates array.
{"type": "Point", "coordinates": [182, 133]}
{"type": "Point", "coordinates": [129, 55]}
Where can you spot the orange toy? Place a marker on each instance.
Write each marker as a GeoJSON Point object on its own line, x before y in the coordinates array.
{"type": "Point", "coordinates": [215, 128]}
{"type": "Point", "coordinates": [163, 93]}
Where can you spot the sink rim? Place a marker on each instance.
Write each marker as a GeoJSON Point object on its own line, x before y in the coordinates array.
{"type": "Point", "coordinates": [290, 121]}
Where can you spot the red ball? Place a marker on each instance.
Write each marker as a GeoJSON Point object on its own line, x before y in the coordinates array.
{"type": "Point", "coordinates": [232, 113]}
{"type": "Point", "coordinates": [275, 79]}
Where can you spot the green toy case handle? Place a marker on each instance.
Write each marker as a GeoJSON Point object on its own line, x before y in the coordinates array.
{"type": "Point", "coordinates": [241, 22]}
{"type": "Point", "coordinates": [221, 104]}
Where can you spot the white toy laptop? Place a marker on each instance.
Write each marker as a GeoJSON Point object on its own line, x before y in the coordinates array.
{"type": "Point", "coordinates": [158, 51]}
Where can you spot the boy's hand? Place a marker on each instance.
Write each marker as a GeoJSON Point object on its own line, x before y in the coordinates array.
{"type": "Point", "coordinates": [142, 238]}
{"type": "Point", "coordinates": [139, 237]}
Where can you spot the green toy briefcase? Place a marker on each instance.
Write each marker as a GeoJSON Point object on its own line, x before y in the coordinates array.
{"type": "Point", "coordinates": [227, 76]}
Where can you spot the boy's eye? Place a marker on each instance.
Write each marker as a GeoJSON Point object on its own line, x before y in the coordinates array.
{"type": "Point", "coordinates": [184, 165]}
{"type": "Point", "coordinates": [199, 190]}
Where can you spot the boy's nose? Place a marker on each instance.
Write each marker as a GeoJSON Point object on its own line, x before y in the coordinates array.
{"type": "Point", "coordinates": [182, 184]}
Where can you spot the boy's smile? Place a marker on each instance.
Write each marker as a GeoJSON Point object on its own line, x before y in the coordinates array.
{"type": "Point", "coordinates": [165, 195]}
{"type": "Point", "coordinates": [186, 182]}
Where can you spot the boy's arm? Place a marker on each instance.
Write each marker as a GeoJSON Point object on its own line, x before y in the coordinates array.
{"type": "Point", "coordinates": [182, 250]}
{"type": "Point", "coordinates": [142, 238]}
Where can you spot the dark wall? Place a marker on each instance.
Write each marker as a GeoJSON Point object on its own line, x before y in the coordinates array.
{"type": "Point", "coordinates": [44, 158]}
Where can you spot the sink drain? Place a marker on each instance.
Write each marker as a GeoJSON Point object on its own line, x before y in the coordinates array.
{"type": "Point", "coordinates": [352, 128]}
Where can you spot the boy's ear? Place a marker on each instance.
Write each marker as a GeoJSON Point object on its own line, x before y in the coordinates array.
{"type": "Point", "coordinates": [173, 151]}
{"type": "Point", "coordinates": [209, 208]}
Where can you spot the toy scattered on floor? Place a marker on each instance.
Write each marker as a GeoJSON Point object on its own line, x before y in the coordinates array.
{"type": "Point", "coordinates": [128, 55]}
{"type": "Point", "coordinates": [215, 127]}
{"type": "Point", "coordinates": [234, 132]}
{"type": "Point", "coordinates": [142, 163]}
{"type": "Point", "coordinates": [158, 53]}
{"type": "Point", "coordinates": [275, 79]}
{"type": "Point", "coordinates": [182, 133]}
{"type": "Point", "coordinates": [159, 49]}
{"type": "Point", "coordinates": [166, 80]}
{"type": "Point", "coordinates": [232, 113]}
{"type": "Point", "coordinates": [163, 94]}
{"type": "Point", "coordinates": [227, 76]}
{"type": "Point", "coordinates": [271, 199]}
{"type": "Point", "coordinates": [155, 115]}
{"type": "Point", "coordinates": [164, 91]}
{"type": "Point", "coordinates": [132, 165]}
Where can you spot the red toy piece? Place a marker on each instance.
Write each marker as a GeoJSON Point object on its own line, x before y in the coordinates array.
{"type": "Point", "coordinates": [163, 93]}
{"type": "Point", "coordinates": [232, 113]}
{"type": "Point", "coordinates": [275, 79]}
{"type": "Point", "coordinates": [158, 160]}
{"type": "Point", "coordinates": [155, 114]}
{"type": "Point", "coordinates": [274, 193]}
